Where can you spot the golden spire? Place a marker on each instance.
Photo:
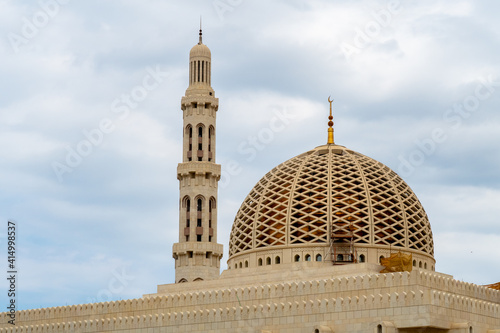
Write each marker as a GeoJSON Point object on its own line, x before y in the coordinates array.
{"type": "Point", "coordinates": [330, 124]}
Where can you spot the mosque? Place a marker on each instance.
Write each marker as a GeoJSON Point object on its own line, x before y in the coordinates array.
{"type": "Point", "coordinates": [306, 250]}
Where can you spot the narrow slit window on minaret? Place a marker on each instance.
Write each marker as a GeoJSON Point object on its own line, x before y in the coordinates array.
{"type": "Point", "coordinates": [198, 71]}
{"type": "Point", "coordinates": [191, 72]}
{"type": "Point", "coordinates": [202, 71]}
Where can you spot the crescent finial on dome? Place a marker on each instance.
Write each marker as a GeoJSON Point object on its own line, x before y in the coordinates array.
{"type": "Point", "coordinates": [330, 123]}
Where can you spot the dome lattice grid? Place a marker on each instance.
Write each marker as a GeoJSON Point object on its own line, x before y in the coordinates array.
{"type": "Point", "coordinates": [331, 189]}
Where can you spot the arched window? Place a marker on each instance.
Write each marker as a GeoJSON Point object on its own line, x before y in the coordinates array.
{"type": "Point", "coordinates": [340, 257]}
{"type": "Point", "coordinates": [379, 328]}
{"type": "Point", "coordinates": [277, 260]}
{"type": "Point", "coordinates": [246, 263]}
{"type": "Point", "coordinates": [211, 208]}
{"type": "Point", "coordinates": [268, 261]}
{"type": "Point", "coordinates": [210, 142]}
{"type": "Point", "coordinates": [182, 281]}
{"type": "Point", "coordinates": [297, 258]}
{"type": "Point", "coordinates": [419, 264]}
{"type": "Point", "coordinates": [362, 258]}
{"type": "Point", "coordinates": [380, 259]}
{"type": "Point", "coordinates": [199, 209]}
{"type": "Point", "coordinates": [425, 265]}
{"type": "Point", "coordinates": [319, 257]}
{"type": "Point", "coordinates": [186, 203]}
{"type": "Point", "coordinates": [308, 257]}
{"type": "Point", "coordinates": [198, 279]}
{"type": "Point", "coordinates": [236, 266]}
{"type": "Point", "coordinates": [241, 265]}
{"type": "Point", "coordinates": [189, 130]}
{"type": "Point", "coordinates": [200, 143]}
{"type": "Point", "coordinates": [414, 263]}
{"type": "Point", "coordinates": [260, 262]}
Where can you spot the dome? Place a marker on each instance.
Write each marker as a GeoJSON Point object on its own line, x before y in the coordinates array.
{"type": "Point", "coordinates": [305, 207]}
{"type": "Point", "coordinates": [200, 50]}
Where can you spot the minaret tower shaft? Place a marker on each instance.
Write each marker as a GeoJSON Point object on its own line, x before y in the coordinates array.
{"type": "Point", "coordinates": [197, 254]}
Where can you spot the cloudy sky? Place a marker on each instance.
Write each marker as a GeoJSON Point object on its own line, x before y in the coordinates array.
{"type": "Point", "coordinates": [94, 192]}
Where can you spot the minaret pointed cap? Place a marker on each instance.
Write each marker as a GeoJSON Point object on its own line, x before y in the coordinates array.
{"type": "Point", "coordinates": [200, 42]}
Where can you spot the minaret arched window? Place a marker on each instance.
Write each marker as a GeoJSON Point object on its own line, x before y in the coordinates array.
{"type": "Point", "coordinates": [211, 212]}
{"type": "Point", "coordinates": [188, 208]}
{"type": "Point", "coordinates": [200, 143]}
{"type": "Point", "coordinates": [186, 204]}
{"type": "Point", "coordinates": [189, 132]}
{"type": "Point", "coordinates": [211, 209]}
{"type": "Point", "coordinates": [210, 142]}
{"type": "Point", "coordinates": [199, 209]}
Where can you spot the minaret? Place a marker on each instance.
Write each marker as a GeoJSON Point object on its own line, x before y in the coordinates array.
{"type": "Point", "coordinates": [197, 254]}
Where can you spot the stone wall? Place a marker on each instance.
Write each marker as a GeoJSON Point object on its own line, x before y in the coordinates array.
{"type": "Point", "coordinates": [345, 304]}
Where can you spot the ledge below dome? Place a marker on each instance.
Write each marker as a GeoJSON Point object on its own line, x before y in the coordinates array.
{"type": "Point", "coordinates": [280, 257]}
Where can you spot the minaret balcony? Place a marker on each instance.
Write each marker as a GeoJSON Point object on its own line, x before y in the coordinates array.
{"type": "Point", "coordinates": [201, 98]}
{"type": "Point", "coordinates": [198, 167]}
{"type": "Point", "coordinates": [197, 247]}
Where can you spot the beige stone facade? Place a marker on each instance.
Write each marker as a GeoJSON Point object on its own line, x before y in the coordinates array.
{"type": "Point", "coordinates": [310, 298]}
{"type": "Point", "coordinates": [304, 251]}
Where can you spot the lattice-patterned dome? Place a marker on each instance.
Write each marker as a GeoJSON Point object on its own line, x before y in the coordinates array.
{"type": "Point", "coordinates": [328, 190]}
